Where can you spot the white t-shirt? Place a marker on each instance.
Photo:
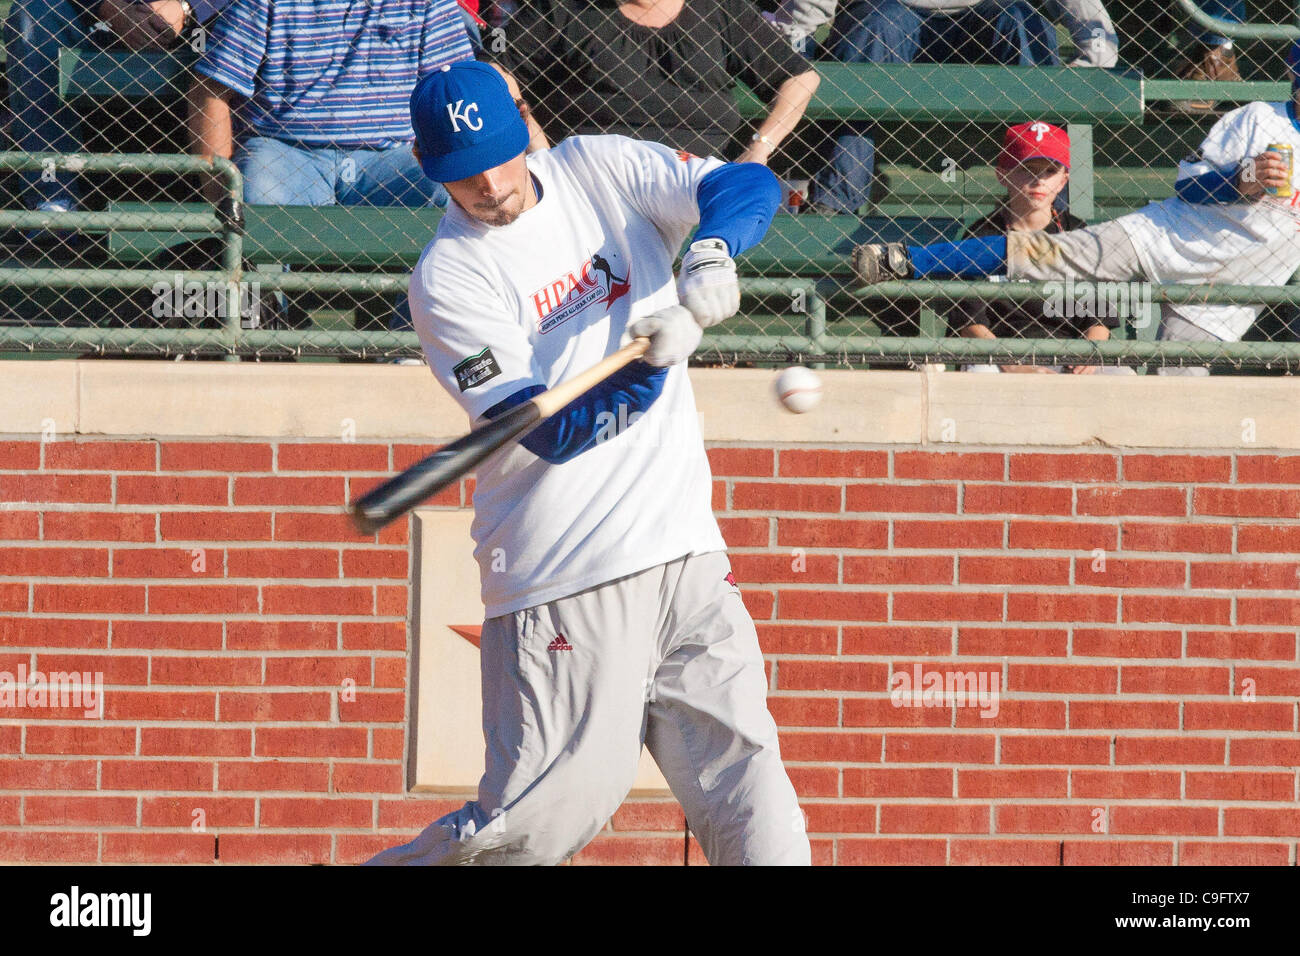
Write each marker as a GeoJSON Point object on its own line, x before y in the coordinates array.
{"type": "Point", "coordinates": [499, 308]}
{"type": "Point", "coordinates": [1239, 243]}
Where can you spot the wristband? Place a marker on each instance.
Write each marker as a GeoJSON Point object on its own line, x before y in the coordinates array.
{"type": "Point", "coordinates": [757, 138]}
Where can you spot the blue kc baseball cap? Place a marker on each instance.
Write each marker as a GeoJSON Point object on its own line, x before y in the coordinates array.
{"type": "Point", "coordinates": [465, 121]}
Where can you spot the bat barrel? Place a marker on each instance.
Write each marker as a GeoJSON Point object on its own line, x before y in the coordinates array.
{"type": "Point", "coordinates": [399, 494]}
{"type": "Point", "coordinates": [430, 475]}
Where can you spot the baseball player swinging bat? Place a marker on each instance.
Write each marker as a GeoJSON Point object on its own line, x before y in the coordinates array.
{"type": "Point", "coordinates": [601, 565]}
{"type": "Point", "coordinates": [395, 497]}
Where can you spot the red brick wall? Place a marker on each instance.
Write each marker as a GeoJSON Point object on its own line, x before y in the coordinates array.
{"type": "Point", "coordinates": [1125, 732]}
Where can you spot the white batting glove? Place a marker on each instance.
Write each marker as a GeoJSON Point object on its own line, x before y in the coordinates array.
{"type": "Point", "coordinates": [707, 284]}
{"type": "Point", "coordinates": [673, 332]}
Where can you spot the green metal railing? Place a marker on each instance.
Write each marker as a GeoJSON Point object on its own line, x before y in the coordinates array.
{"type": "Point", "coordinates": [1239, 31]}
{"type": "Point", "coordinates": [119, 163]}
{"type": "Point", "coordinates": [812, 338]}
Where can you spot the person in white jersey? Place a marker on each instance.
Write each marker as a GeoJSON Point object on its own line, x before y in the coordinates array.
{"type": "Point", "coordinates": [612, 615]}
{"type": "Point", "coordinates": [1222, 227]}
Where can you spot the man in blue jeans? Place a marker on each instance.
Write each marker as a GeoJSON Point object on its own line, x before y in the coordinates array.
{"type": "Point", "coordinates": [35, 31]}
{"type": "Point", "coordinates": [1010, 32]}
{"type": "Point", "coordinates": [319, 91]}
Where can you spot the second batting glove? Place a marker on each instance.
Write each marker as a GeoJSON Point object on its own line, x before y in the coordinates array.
{"type": "Point", "coordinates": [707, 284]}
{"type": "Point", "coordinates": [673, 332]}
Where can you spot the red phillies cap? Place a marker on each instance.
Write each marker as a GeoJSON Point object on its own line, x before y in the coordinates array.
{"type": "Point", "coordinates": [1034, 140]}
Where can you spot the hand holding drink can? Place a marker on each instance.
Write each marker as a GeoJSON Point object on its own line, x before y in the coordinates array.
{"type": "Point", "coordinates": [1285, 152]}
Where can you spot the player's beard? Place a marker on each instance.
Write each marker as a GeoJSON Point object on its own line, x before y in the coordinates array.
{"type": "Point", "coordinates": [501, 213]}
{"type": "Point", "coordinates": [504, 211]}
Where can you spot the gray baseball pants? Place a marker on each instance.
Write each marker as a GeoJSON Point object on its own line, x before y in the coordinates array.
{"type": "Point", "coordinates": [669, 657]}
{"type": "Point", "coordinates": [1101, 253]}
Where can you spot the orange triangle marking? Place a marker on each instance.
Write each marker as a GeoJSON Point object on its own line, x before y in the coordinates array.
{"type": "Point", "coordinates": [471, 632]}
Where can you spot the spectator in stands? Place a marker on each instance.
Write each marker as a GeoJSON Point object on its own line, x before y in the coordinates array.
{"type": "Point", "coordinates": [1231, 221]}
{"type": "Point", "coordinates": [1011, 32]}
{"type": "Point", "coordinates": [321, 92]}
{"type": "Point", "coordinates": [1033, 167]}
{"type": "Point", "coordinates": [33, 33]}
{"type": "Point", "coordinates": [1211, 56]}
{"type": "Point", "coordinates": [660, 70]}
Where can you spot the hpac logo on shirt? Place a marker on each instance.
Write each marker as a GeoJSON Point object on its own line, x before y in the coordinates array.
{"type": "Point", "coordinates": [459, 112]}
{"type": "Point", "coordinates": [577, 290]}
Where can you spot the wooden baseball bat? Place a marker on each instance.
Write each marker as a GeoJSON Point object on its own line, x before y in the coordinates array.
{"type": "Point", "coordinates": [430, 475]}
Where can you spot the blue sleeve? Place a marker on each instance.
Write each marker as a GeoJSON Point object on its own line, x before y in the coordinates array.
{"type": "Point", "coordinates": [1208, 188]}
{"type": "Point", "coordinates": [579, 425]}
{"type": "Point", "coordinates": [971, 258]}
{"type": "Point", "coordinates": [737, 202]}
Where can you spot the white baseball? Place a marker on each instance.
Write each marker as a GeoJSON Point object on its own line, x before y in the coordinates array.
{"type": "Point", "coordinates": [799, 389]}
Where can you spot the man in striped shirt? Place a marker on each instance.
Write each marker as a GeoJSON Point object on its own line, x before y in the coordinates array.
{"type": "Point", "coordinates": [319, 92]}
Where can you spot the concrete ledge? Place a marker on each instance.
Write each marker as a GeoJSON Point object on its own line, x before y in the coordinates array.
{"type": "Point", "coordinates": [1142, 411]}
{"type": "Point", "coordinates": [857, 407]}
{"type": "Point", "coordinates": [35, 394]}
{"type": "Point", "coordinates": [250, 400]}
{"type": "Point", "coordinates": [382, 402]}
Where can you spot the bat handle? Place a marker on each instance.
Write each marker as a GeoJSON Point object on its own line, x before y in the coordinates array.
{"type": "Point", "coordinates": [550, 402]}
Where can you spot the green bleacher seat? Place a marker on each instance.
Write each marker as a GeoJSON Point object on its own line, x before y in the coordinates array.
{"type": "Point", "coordinates": [921, 207]}
{"type": "Point", "coordinates": [879, 91]}
{"type": "Point", "coordinates": [1161, 91]}
{"type": "Point", "coordinates": [899, 92]}
{"type": "Point", "coordinates": [369, 239]}
{"type": "Point", "coordinates": [958, 93]}
{"type": "Point", "coordinates": [95, 74]}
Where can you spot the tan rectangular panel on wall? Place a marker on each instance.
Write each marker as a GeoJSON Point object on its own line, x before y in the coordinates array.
{"type": "Point", "coordinates": [446, 729]}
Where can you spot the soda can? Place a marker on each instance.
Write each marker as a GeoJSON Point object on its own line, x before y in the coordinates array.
{"type": "Point", "coordinates": [1284, 150]}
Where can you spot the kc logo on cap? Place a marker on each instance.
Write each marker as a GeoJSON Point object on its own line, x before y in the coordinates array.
{"type": "Point", "coordinates": [465, 121]}
{"type": "Point", "coordinates": [459, 111]}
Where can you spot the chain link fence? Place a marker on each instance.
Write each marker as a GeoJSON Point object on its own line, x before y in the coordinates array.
{"type": "Point", "coordinates": [884, 120]}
